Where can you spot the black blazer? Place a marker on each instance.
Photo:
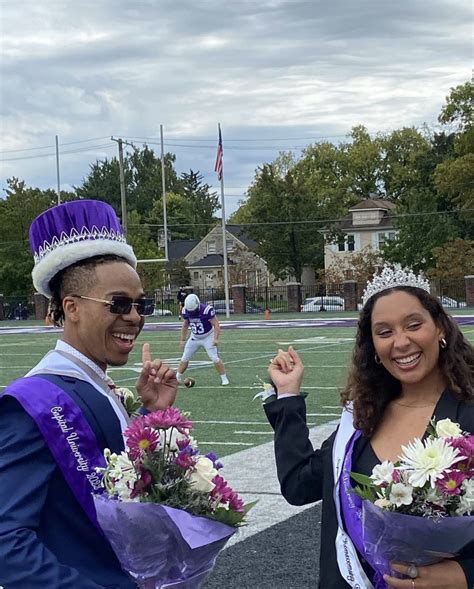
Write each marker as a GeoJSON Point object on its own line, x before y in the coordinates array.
{"type": "Point", "coordinates": [46, 539]}
{"type": "Point", "coordinates": [306, 475]}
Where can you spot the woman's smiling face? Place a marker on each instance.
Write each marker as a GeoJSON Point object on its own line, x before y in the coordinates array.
{"type": "Point", "coordinates": [406, 339]}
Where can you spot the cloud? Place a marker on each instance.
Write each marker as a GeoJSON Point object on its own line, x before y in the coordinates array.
{"type": "Point", "coordinates": [276, 69]}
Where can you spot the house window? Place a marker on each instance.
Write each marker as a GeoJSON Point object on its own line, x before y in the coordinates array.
{"type": "Point", "coordinates": [386, 236]}
{"type": "Point", "coordinates": [229, 245]}
{"type": "Point", "coordinates": [211, 247]}
{"type": "Point", "coordinates": [346, 243]}
{"type": "Point", "coordinates": [196, 275]}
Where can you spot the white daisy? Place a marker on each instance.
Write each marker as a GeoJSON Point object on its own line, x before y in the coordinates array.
{"type": "Point", "coordinates": [428, 461]}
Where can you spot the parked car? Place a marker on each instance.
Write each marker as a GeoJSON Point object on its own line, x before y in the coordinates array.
{"type": "Point", "coordinates": [323, 303]}
{"type": "Point", "coordinates": [219, 306]}
{"type": "Point", "coordinates": [159, 312]}
{"type": "Point", "coordinates": [452, 303]}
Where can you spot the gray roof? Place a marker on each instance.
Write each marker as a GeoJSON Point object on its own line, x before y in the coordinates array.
{"type": "Point", "coordinates": [180, 248]}
{"type": "Point", "coordinates": [239, 232]}
{"type": "Point", "coordinates": [373, 203]}
{"type": "Point", "coordinates": [212, 261]}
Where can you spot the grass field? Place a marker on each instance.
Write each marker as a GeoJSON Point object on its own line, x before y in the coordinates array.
{"type": "Point", "coordinates": [227, 419]}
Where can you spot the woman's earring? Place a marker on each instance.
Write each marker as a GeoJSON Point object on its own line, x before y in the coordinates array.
{"type": "Point", "coordinates": [443, 343]}
{"type": "Point", "coordinates": [377, 359]}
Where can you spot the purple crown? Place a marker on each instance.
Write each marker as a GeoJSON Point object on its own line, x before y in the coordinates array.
{"type": "Point", "coordinates": [74, 231]}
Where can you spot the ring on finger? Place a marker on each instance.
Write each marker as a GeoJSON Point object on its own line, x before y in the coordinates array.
{"type": "Point", "coordinates": [412, 571]}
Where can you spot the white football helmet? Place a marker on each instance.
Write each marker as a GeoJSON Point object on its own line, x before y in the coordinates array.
{"type": "Point", "coordinates": [191, 302]}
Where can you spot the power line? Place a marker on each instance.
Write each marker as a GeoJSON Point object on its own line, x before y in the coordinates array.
{"type": "Point", "coordinates": [187, 140]}
{"type": "Point", "coordinates": [50, 146]}
{"type": "Point", "coordinates": [81, 150]}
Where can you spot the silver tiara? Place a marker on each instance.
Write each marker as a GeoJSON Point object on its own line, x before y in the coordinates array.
{"type": "Point", "coordinates": [390, 277]}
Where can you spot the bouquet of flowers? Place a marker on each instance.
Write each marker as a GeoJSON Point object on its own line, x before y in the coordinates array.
{"type": "Point", "coordinates": [166, 510]}
{"type": "Point", "coordinates": [420, 509]}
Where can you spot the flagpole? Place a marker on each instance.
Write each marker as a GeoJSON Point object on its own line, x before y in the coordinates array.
{"type": "Point", "coordinates": [224, 239]}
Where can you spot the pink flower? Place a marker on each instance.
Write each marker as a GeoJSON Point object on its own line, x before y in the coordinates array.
{"type": "Point", "coordinates": [396, 476]}
{"type": "Point", "coordinates": [141, 486]}
{"type": "Point", "coordinates": [221, 491]}
{"type": "Point", "coordinates": [141, 440]}
{"type": "Point", "coordinates": [168, 418]}
{"type": "Point", "coordinates": [224, 494]}
{"type": "Point", "coordinates": [186, 457]}
{"type": "Point", "coordinates": [236, 503]}
{"type": "Point", "coordinates": [451, 482]}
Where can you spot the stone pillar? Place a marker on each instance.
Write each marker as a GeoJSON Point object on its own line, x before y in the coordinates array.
{"type": "Point", "coordinates": [41, 305]}
{"type": "Point", "coordinates": [469, 282]}
{"type": "Point", "coordinates": [294, 296]}
{"type": "Point", "coordinates": [2, 311]}
{"type": "Point", "coordinates": [239, 297]}
{"type": "Point", "coordinates": [350, 295]}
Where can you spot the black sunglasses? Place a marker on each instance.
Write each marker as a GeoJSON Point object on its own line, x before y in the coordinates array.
{"type": "Point", "coordinates": [120, 305]}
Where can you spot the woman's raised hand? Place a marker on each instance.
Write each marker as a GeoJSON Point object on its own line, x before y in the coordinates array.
{"type": "Point", "coordinates": [286, 371]}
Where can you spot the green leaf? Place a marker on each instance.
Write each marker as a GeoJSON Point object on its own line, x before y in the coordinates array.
{"type": "Point", "coordinates": [362, 479]}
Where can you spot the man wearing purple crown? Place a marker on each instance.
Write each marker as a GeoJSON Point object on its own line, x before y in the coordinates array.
{"type": "Point", "coordinates": [56, 421]}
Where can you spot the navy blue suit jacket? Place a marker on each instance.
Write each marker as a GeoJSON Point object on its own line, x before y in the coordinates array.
{"type": "Point", "coordinates": [46, 539]}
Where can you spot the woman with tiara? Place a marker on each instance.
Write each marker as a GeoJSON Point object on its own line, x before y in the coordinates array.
{"type": "Point", "coordinates": [410, 364]}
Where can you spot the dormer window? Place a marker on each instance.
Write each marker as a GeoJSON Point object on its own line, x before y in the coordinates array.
{"type": "Point", "coordinates": [211, 247]}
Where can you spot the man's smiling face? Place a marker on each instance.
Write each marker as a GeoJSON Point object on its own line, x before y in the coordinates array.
{"type": "Point", "coordinates": [102, 336]}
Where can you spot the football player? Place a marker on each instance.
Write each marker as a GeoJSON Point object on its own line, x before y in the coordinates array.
{"type": "Point", "coordinates": [205, 331]}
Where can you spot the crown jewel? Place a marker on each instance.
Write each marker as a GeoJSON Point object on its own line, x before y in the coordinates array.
{"type": "Point", "coordinates": [390, 277]}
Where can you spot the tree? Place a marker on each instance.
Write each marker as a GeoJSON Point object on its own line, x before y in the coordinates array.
{"type": "Point", "coordinates": [20, 206]}
{"type": "Point", "coordinates": [145, 248]}
{"type": "Point", "coordinates": [454, 177]}
{"type": "Point", "coordinates": [360, 267]}
{"type": "Point", "coordinates": [146, 183]}
{"type": "Point", "coordinates": [454, 259]}
{"type": "Point", "coordinates": [178, 274]}
{"type": "Point", "coordinates": [286, 246]}
{"type": "Point", "coordinates": [203, 203]}
{"type": "Point", "coordinates": [142, 174]}
{"type": "Point", "coordinates": [103, 183]}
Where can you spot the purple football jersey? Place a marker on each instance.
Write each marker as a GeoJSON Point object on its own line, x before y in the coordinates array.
{"type": "Point", "coordinates": [199, 320]}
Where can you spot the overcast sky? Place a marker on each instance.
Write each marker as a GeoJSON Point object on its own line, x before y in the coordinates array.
{"type": "Point", "coordinates": [277, 75]}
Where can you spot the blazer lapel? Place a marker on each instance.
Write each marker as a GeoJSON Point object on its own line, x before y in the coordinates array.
{"type": "Point", "coordinates": [103, 417]}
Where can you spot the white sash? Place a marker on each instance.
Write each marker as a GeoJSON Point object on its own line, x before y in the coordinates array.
{"type": "Point", "coordinates": [347, 559]}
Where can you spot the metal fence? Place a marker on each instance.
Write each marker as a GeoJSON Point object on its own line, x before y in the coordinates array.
{"type": "Point", "coordinates": [314, 297]}
{"type": "Point", "coordinates": [18, 308]}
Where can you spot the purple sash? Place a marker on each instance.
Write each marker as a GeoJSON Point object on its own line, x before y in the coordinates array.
{"type": "Point", "coordinates": [351, 505]}
{"type": "Point", "coordinates": [67, 433]}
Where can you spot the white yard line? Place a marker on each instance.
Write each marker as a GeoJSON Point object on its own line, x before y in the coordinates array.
{"type": "Point", "coordinates": [252, 473]}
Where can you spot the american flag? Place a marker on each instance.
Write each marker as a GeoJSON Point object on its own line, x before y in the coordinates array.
{"type": "Point", "coordinates": [219, 167]}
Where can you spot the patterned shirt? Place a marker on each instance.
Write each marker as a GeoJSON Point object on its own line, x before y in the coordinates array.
{"type": "Point", "coordinates": [200, 320]}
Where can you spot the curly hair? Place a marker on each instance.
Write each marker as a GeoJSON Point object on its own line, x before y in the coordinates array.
{"type": "Point", "coordinates": [77, 278]}
{"type": "Point", "coordinates": [371, 387]}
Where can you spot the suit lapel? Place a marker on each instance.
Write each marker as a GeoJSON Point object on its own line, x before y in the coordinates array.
{"type": "Point", "coordinates": [108, 425]}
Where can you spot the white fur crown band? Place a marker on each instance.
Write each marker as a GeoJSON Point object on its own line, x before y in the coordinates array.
{"type": "Point", "coordinates": [390, 277]}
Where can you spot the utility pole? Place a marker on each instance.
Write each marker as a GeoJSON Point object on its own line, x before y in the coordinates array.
{"type": "Point", "coordinates": [57, 170]}
{"type": "Point", "coordinates": [123, 197]}
{"type": "Point", "coordinates": [163, 191]}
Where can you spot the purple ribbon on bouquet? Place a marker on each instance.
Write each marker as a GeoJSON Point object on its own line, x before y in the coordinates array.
{"type": "Point", "coordinates": [351, 505]}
